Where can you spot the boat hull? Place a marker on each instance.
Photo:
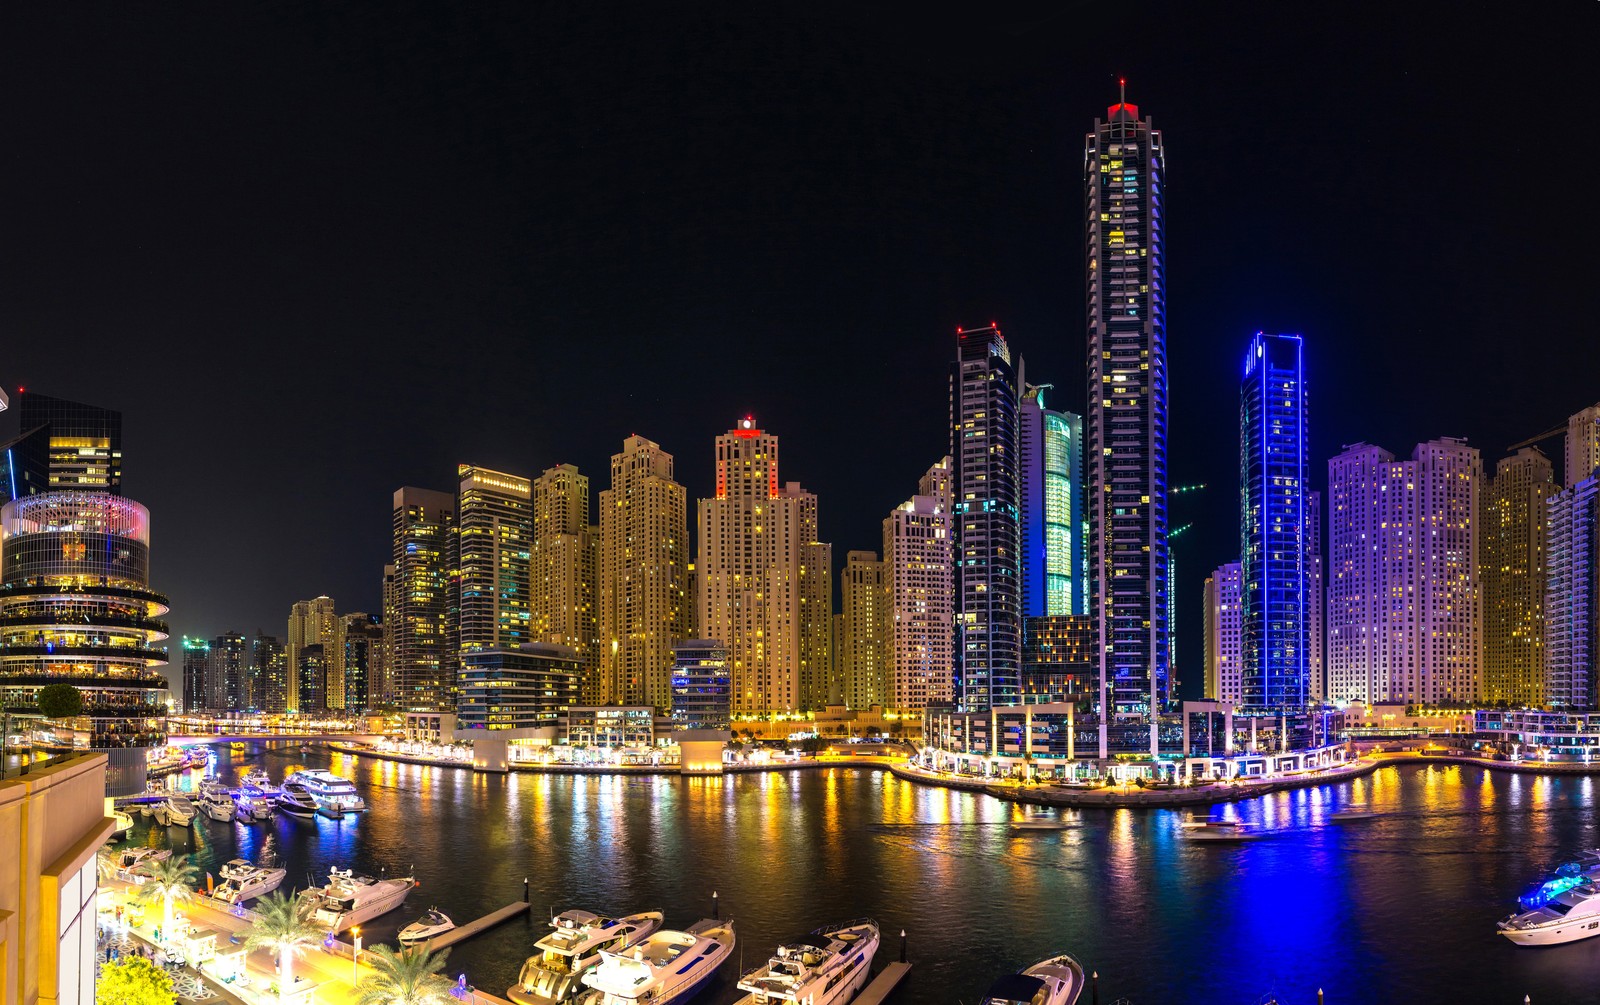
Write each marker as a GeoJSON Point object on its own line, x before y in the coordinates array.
{"type": "Point", "coordinates": [1555, 935]}
{"type": "Point", "coordinates": [372, 907]}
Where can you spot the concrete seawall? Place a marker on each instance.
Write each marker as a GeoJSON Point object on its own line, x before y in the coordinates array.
{"type": "Point", "coordinates": [619, 769]}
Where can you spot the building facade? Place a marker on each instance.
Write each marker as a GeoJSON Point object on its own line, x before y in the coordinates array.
{"type": "Point", "coordinates": [864, 629]}
{"type": "Point", "coordinates": [311, 670]}
{"type": "Point", "coordinates": [644, 552]}
{"type": "Point", "coordinates": [1224, 635]}
{"type": "Point", "coordinates": [1583, 445]}
{"type": "Point", "coordinates": [269, 675]}
{"type": "Point", "coordinates": [494, 534]}
{"type": "Point", "coordinates": [1054, 562]}
{"type": "Point", "coordinates": [1274, 574]}
{"type": "Point", "coordinates": [1404, 617]}
{"type": "Point", "coordinates": [919, 577]}
{"type": "Point", "coordinates": [1059, 661]}
{"type": "Point", "coordinates": [565, 569]}
{"type": "Point", "coordinates": [701, 685]}
{"type": "Point", "coordinates": [1125, 435]}
{"type": "Point", "coordinates": [985, 445]}
{"type": "Point", "coordinates": [361, 639]}
{"type": "Point", "coordinates": [1514, 524]}
{"type": "Point", "coordinates": [196, 673]}
{"type": "Point", "coordinates": [1572, 599]}
{"type": "Point", "coordinates": [311, 622]}
{"type": "Point", "coordinates": [756, 535]}
{"type": "Point", "coordinates": [418, 616]}
{"type": "Point", "coordinates": [77, 608]}
{"type": "Point", "coordinates": [524, 688]}
{"type": "Point", "coordinates": [1316, 594]}
{"type": "Point", "coordinates": [229, 668]}
{"type": "Point", "coordinates": [84, 442]}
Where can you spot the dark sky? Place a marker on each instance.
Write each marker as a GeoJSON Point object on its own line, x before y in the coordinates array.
{"type": "Point", "coordinates": [314, 253]}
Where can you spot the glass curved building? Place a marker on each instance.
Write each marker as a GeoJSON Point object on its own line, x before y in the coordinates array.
{"type": "Point", "coordinates": [76, 607]}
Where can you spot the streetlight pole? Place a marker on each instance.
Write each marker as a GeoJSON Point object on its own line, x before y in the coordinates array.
{"type": "Point", "coordinates": [355, 958]}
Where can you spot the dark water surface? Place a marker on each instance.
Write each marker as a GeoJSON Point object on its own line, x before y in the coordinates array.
{"type": "Point", "coordinates": [1401, 908]}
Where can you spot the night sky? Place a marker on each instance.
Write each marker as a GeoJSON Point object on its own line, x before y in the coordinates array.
{"type": "Point", "coordinates": [316, 253]}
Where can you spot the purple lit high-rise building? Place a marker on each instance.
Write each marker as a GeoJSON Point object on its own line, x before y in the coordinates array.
{"type": "Point", "coordinates": [1126, 423]}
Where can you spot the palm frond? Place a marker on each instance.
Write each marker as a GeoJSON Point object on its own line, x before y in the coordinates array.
{"type": "Point", "coordinates": [406, 977]}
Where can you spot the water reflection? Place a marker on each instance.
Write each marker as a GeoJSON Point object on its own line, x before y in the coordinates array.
{"type": "Point", "coordinates": [1404, 903]}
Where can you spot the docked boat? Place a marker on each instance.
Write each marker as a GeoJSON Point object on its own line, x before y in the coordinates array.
{"type": "Point", "coordinates": [1055, 981]}
{"type": "Point", "coordinates": [435, 922]}
{"type": "Point", "coordinates": [132, 859]}
{"type": "Point", "coordinates": [664, 968]}
{"type": "Point", "coordinates": [1567, 916]}
{"type": "Point", "coordinates": [176, 810]}
{"type": "Point", "coordinates": [349, 899]}
{"type": "Point", "coordinates": [552, 974]}
{"type": "Point", "coordinates": [1220, 830]}
{"type": "Point", "coordinates": [241, 885]}
{"type": "Point", "coordinates": [257, 778]}
{"type": "Point", "coordinates": [828, 967]}
{"type": "Point", "coordinates": [295, 800]}
{"type": "Point", "coordinates": [218, 806]}
{"type": "Point", "coordinates": [235, 867]}
{"type": "Point", "coordinates": [335, 796]}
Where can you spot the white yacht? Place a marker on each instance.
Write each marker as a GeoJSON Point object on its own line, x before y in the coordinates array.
{"type": "Point", "coordinates": [1055, 981]}
{"type": "Point", "coordinates": [218, 806]}
{"type": "Point", "coordinates": [435, 922]}
{"type": "Point", "coordinates": [254, 803]}
{"type": "Point", "coordinates": [257, 778]}
{"type": "Point", "coordinates": [1220, 830]}
{"type": "Point", "coordinates": [827, 968]}
{"type": "Point", "coordinates": [335, 796]}
{"type": "Point", "coordinates": [234, 868]}
{"type": "Point", "coordinates": [248, 884]}
{"type": "Point", "coordinates": [551, 975]}
{"type": "Point", "coordinates": [176, 810]}
{"type": "Point", "coordinates": [665, 967]}
{"type": "Point", "coordinates": [295, 800]}
{"type": "Point", "coordinates": [1570, 915]}
{"type": "Point", "coordinates": [130, 859]}
{"type": "Point", "coordinates": [348, 899]}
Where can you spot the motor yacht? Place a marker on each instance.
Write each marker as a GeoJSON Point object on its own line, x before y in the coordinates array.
{"type": "Point", "coordinates": [435, 922]}
{"type": "Point", "coordinates": [665, 967]}
{"type": "Point", "coordinates": [1055, 981]}
{"type": "Point", "coordinates": [235, 867]}
{"type": "Point", "coordinates": [176, 810]}
{"type": "Point", "coordinates": [349, 899]}
{"type": "Point", "coordinates": [218, 806]}
{"type": "Point", "coordinates": [1566, 916]}
{"type": "Point", "coordinates": [829, 967]}
{"type": "Point", "coordinates": [296, 801]}
{"type": "Point", "coordinates": [335, 796]}
{"type": "Point", "coordinates": [1220, 830]}
{"type": "Point", "coordinates": [248, 883]}
{"type": "Point", "coordinates": [552, 974]}
{"type": "Point", "coordinates": [257, 778]}
{"type": "Point", "coordinates": [132, 859]}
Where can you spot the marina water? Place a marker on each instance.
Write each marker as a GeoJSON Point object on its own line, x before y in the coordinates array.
{"type": "Point", "coordinates": [1400, 908]}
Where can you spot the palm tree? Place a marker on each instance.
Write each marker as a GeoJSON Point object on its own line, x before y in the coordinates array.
{"type": "Point", "coordinates": [283, 926]}
{"type": "Point", "coordinates": [408, 977]}
{"type": "Point", "coordinates": [171, 880]}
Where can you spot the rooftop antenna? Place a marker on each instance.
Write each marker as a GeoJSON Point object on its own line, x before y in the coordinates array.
{"type": "Point", "coordinates": [1122, 90]}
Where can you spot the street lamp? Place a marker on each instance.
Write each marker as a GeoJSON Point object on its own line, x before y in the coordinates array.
{"type": "Point", "coordinates": [355, 958]}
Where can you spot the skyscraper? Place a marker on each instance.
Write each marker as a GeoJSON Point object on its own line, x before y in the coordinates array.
{"type": "Point", "coordinates": [1583, 445]}
{"type": "Point", "coordinates": [1513, 528]}
{"type": "Point", "coordinates": [196, 673]}
{"type": "Point", "coordinates": [417, 618]}
{"type": "Point", "coordinates": [229, 668]}
{"type": "Point", "coordinates": [269, 679]}
{"type": "Point", "coordinates": [644, 552]}
{"type": "Point", "coordinates": [985, 435]}
{"type": "Point", "coordinates": [311, 679]}
{"type": "Point", "coordinates": [565, 556]}
{"type": "Point", "coordinates": [361, 638]}
{"type": "Point", "coordinates": [700, 684]}
{"type": "Point", "coordinates": [311, 622]}
{"type": "Point", "coordinates": [1053, 556]}
{"type": "Point", "coordinates": [865, 630]}
{"type": "Point", "coordinates": [25, 464]}
{"type": "Point", "coordinates": [1273, 570]}
{"type": "Point", "coordinates": [1316, 594]}
{"type": "Point", "coordinates": [84, 441]}
{"type": "Point", "coordinates": [1224, 635]}
{"type": "Point", "coordinates": [494, 534]}
{"type": "Point", "coordinates": [756, 540]}
{"type": "Point", "coordinates": [1404, 601]}
{"type": "Point", "coordinates": [919, 577]}
{"type": "Point", "coordinates": [1126, 434]}
{"type": "Point", "coordinates": [1572, 611]}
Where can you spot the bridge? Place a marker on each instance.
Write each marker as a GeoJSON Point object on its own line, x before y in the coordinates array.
{"type": "Point", "coordinates": [197, 739]}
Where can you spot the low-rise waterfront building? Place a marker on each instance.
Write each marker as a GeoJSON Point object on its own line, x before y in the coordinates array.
{"type": "Point", "coordinates": [1059, 661]}
{"type": "Point", "coordinates": [429, 727]}
{"type": "Point", "coordinates": [528, 687]}
{"type": "Point", "coordinates": [611, 725]}
{"type": "Point", "coordinates": [700, 685]}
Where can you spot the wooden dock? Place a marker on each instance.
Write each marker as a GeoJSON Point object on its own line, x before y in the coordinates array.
{"type": "Point", "coordinates": [885, 982]}
{"type": "Point", "coordinates": [483, 924]}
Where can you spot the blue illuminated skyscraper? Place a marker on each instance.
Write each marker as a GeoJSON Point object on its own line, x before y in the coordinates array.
{"type": "Point", "coordinates": [1125, 427]}
{"type": "Point", "coordinates": [985, 393]}
{"type": "Point", "coordinates": [1051, 492]}
{"type": "Point", "coordinates": [1274, 558]}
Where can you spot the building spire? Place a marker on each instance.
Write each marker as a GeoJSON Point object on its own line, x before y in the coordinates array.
{"type": "Point", "coordinates": [1122, 90]}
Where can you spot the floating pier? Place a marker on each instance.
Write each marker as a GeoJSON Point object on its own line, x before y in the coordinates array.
{"type": "Point", "coordinates": [885, 982]}
{"type": "Point", "coordinates": [483, 924]}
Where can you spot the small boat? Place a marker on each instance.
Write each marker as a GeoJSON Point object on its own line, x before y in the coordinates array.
{"type": "Point", "coordinates": [247, 883]}
{"type": "Point", "coordinates": [349, 899]}
{"type": "Point", "coordinates": [828, 967]}
{"type": "Point", "coordinates": [1342, 816]}
{"type": "Point", "coordinates": [1221, 831]}
{"type": "Point", "coordinates": [134, 859]}
{"type": "Point", "coordinates": [179, 810]}
{"type": "Point", "coordinates": [147, 810]}
{"type": "Point", "coordinates": [552, 974]}
{"type": "Point", "coordinates": [235, 867]}
{"type": "Point", "coordinates": [664, 968]}
{"type": "Point", "coordinates": [294, 800]}
{"type": "Point", "coordinates": [218, 806]}
{"type": "Point", "coordinates": [1055, 981]}
{"type": "Point", "coordinates": [435, 922]}
{"type": "Point", "coordinates": [1040, 822]}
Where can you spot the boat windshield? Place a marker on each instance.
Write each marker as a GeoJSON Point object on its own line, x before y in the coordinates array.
{"type": "Point", "coordinates": [1557, 907]}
